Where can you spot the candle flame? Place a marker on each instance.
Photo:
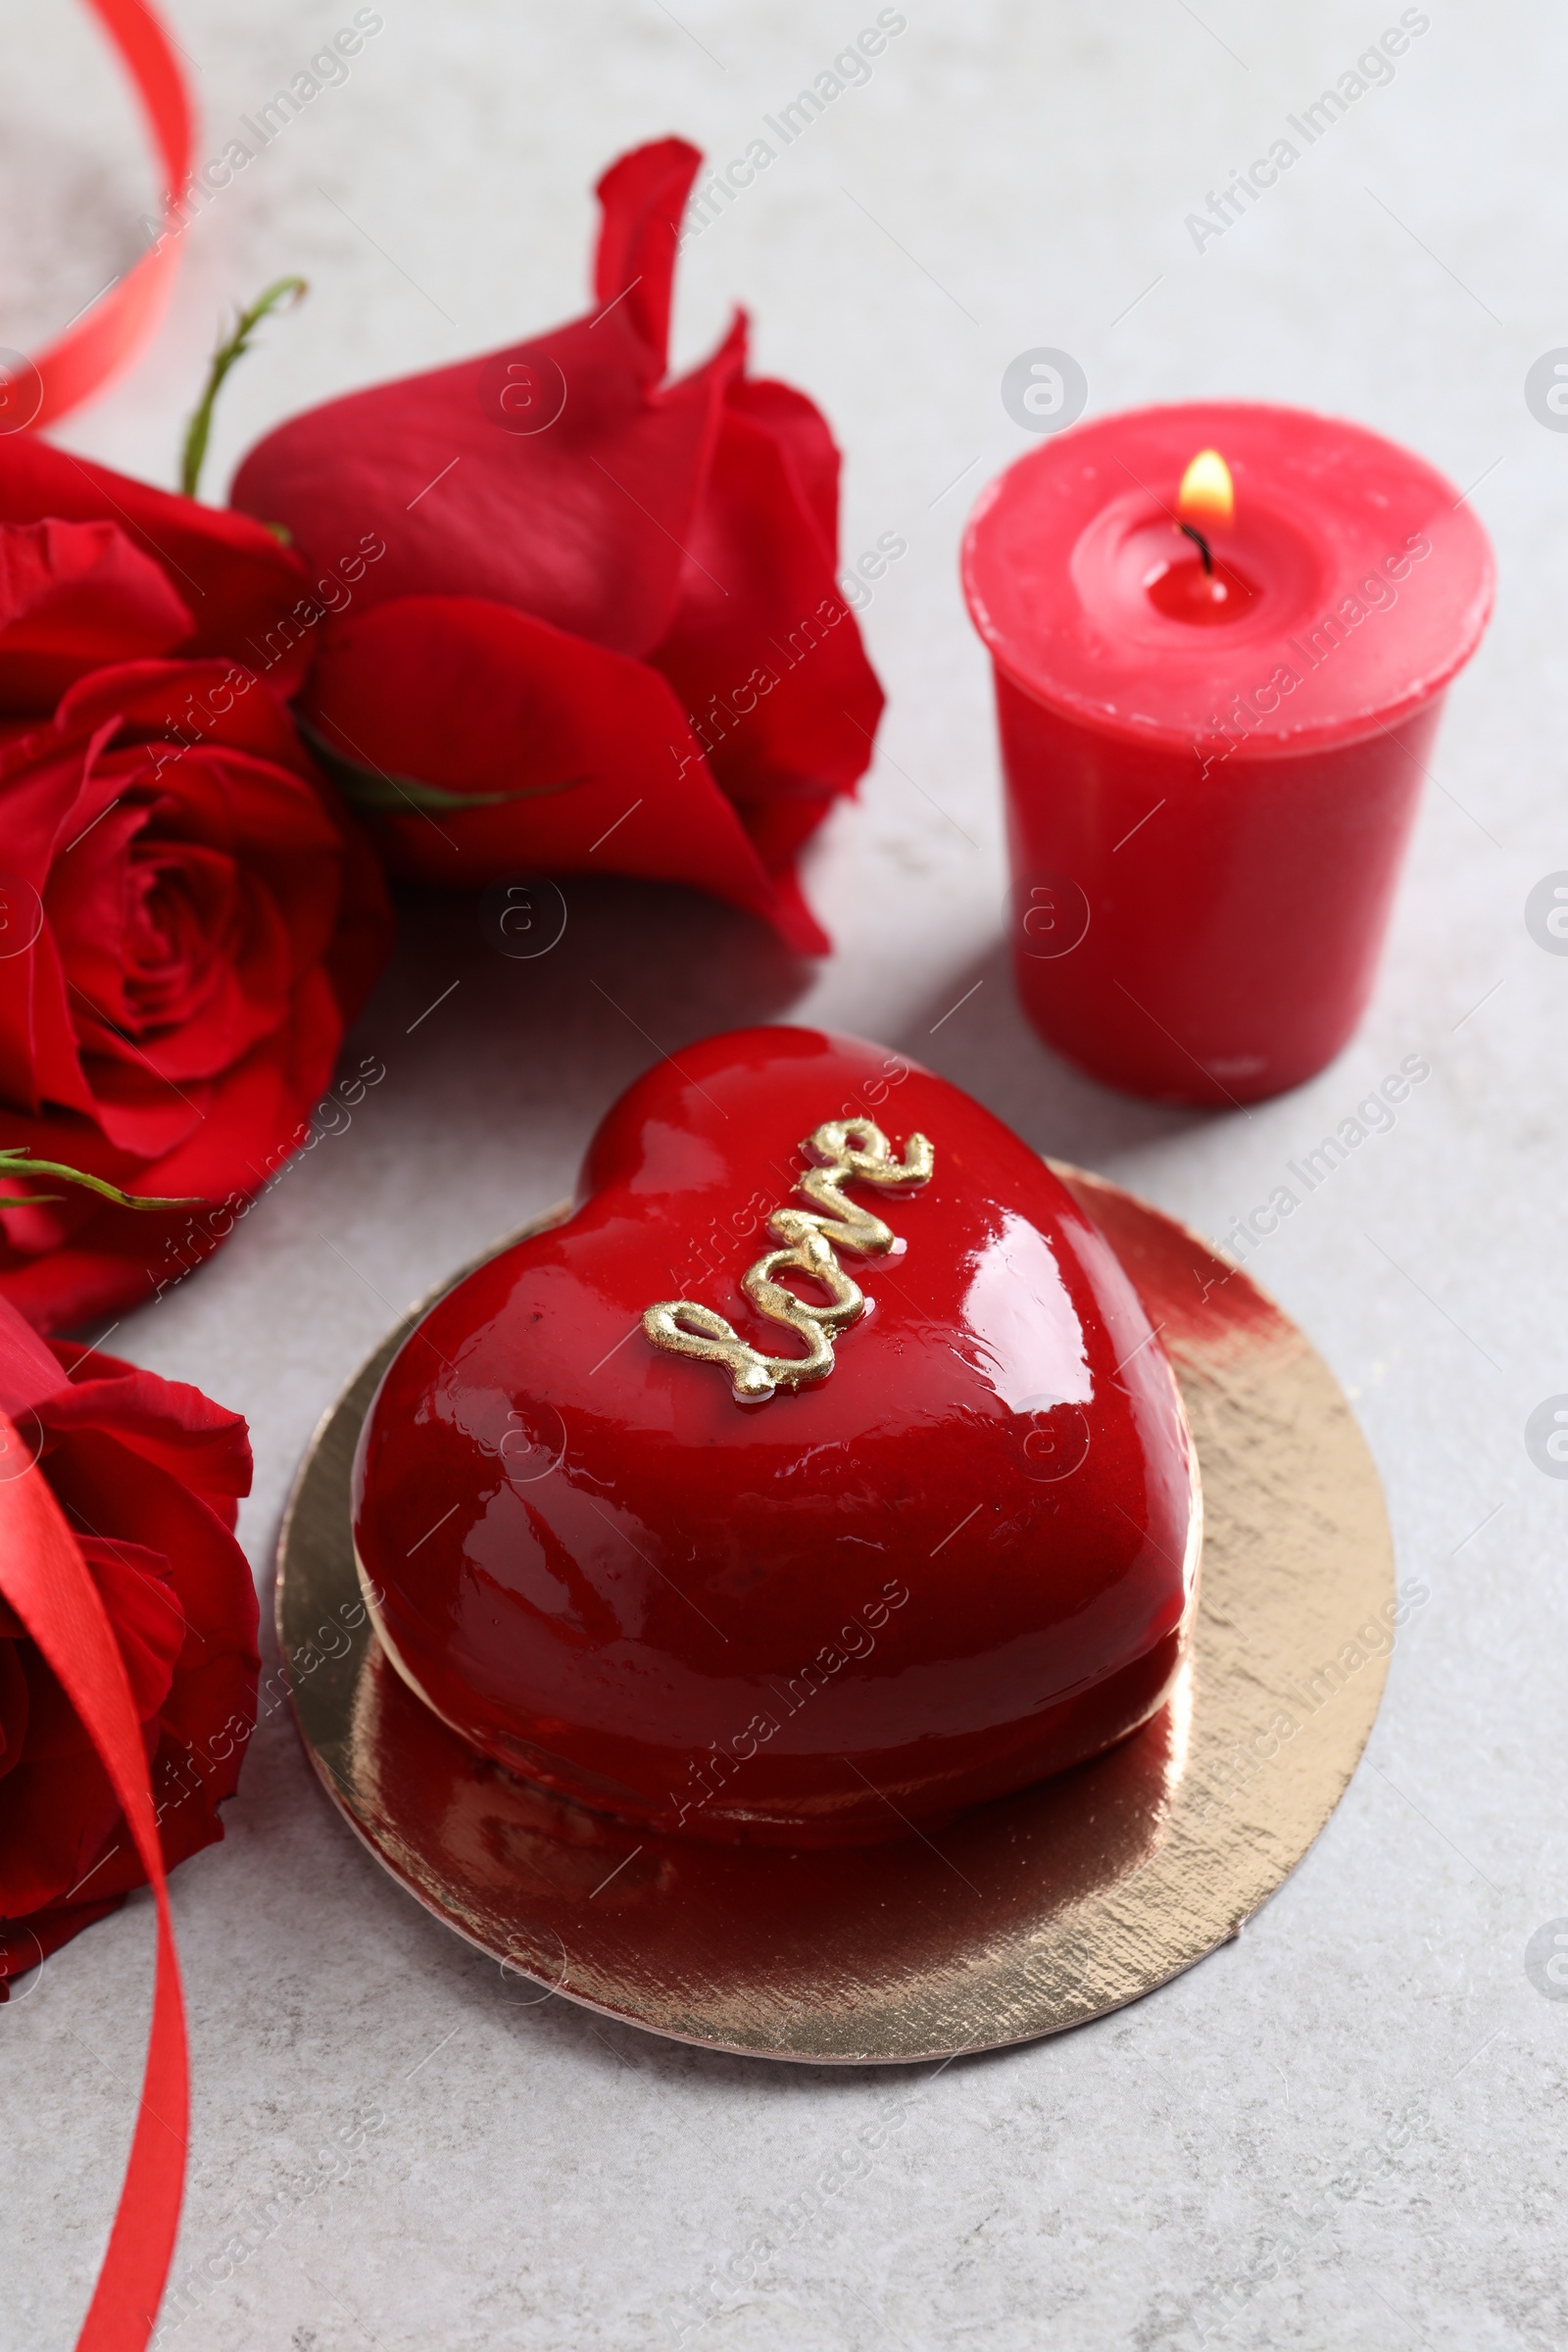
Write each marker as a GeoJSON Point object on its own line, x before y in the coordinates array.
{"type": "Point", "coordinates": [1208, 496]}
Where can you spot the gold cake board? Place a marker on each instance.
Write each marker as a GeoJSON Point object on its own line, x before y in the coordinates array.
{"type": "Point", "coordinates": [1022, 1917]}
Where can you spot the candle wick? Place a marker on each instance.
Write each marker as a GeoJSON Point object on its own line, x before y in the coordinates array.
{"type": "Point", "coordinates": [1201, 544]}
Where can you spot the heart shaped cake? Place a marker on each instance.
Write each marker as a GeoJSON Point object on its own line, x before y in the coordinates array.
{"type": "Point", "coordinates": [820, 1476]}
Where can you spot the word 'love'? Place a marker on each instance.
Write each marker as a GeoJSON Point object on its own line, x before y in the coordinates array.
{"type": "Point", "coordinates": [848, 1150]}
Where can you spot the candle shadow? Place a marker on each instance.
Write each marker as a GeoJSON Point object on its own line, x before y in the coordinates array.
{"type": "Point", "coordinates": [975, 1034]}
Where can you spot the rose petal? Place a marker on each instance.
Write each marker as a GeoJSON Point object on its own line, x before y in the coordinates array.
{"type": "Point", "coordinates": [770, 663]}
{"type": "Point", "coordinates": [45, 780]}
{"type": "Point", "coordinates": [166, 1422]}
{"type": "Point", "coordinates": [58, 1818]}
{"type": "Point", "coordinates": [233, 575]}
{"type": "Point", "coordinates": [106, 1484]}
{"type": "Point", "coordinates": [434, 700]}
{"type": "Point", "coordinates": [180, 705]}
{"type": "Point", "coordinates": [136, 1587]}
{"type": "Point", "coordinates": [642, 198]}
{"type": "Point", "coordinates": [73, 595]}
{"type": "Point", "coordinates": [803, 436]}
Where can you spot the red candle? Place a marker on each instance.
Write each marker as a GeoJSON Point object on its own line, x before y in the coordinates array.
{"type": "Point", "coordinates": [1217, 684]}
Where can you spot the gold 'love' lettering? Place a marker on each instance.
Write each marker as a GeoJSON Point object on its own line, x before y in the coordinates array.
{"type": "Point", "coordinates": [847, 1151]}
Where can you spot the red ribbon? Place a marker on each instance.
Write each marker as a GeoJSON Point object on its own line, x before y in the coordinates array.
{"type": "Point", "coordinates": [95, 346]}
{"type": "Point", "coordinates": [46, 1581]}
{"type": "Point", "coordinates": [43, 1573]}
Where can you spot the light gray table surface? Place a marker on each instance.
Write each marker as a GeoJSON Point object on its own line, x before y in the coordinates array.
{"type": "Point", "coordinates": [1346, 2127]}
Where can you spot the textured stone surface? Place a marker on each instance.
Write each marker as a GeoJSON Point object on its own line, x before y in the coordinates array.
{"type": "Point", "coordinates": [1345, 2129]}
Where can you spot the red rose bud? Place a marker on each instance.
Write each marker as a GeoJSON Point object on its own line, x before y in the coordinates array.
{"type": "Point", "coordinates": [605, 636]}
{"type": "Point", "coordinates": [188, 922]}
{"type": "Point", "coordinates": [148, 1473]}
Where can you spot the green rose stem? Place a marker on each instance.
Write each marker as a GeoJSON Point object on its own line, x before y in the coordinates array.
{"type": "Point", "coordinates": [286, 292]}
{"type": "Point", "coordinates": [17, 1160]}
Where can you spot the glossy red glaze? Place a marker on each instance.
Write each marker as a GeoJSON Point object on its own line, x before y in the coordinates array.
{"type": "Point", "coordinates": [962, 1561]}
{"type": "Point", "coordinates": [1209, 801]}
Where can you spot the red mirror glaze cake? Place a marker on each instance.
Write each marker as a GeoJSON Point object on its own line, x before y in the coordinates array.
{"type": "Point", "coordinates": [819, 1477]}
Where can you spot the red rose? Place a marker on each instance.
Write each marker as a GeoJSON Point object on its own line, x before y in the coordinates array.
{"type": "Point", "coordinates": [186, 927]}
{"type": "Point", "coordinates": [148, 1473]}
{"type": "Point", "coordinates": [605, 636]}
